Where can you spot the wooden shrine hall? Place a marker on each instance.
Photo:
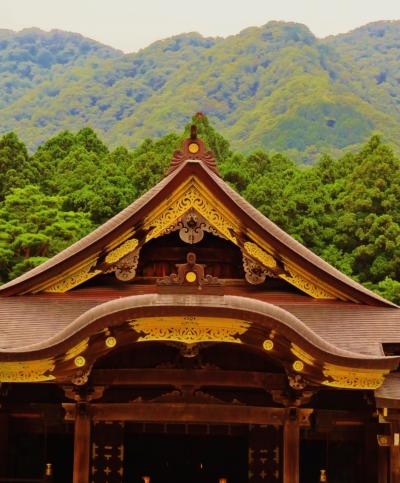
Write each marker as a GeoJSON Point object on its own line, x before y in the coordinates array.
{"type": "Point", "coordinates": [189, 339]}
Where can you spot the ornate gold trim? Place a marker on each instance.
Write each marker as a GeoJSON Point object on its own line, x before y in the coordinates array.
{"type": "Point", "coordinates": [263, 257]}
{"type": "Point", "coordinates": [268, 345]}
{"type": "Point", "coordinates": [77, 350]}
{"type": "Point", "coordinates": [192, 198]}
{"type": "Point", "coordinates": [27, 371]}
{"type": "Point", "coordinates": [302, 355]}
{"type": "Point", "coordinates": [74, 279]}
{"type": "Point", "coordinates": [353, 378]}
{"type": "Point", "coordinates": [189, 329]}
{"type": "Point", "coordinates": [305, 285]}
{"type": "Point", "coordinates": [298, 366]}
{"type": "Point", "coordinates": [118, 253]}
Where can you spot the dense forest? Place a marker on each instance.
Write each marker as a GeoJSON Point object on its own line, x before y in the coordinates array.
{"type": "Point", "coordinates": [275, 87]}
{"type": "Point", "coordinates": [345, 209]}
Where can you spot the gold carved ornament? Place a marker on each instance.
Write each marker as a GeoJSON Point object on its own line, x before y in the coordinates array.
{"type": "Point", "coordinates": [193, 199]}
{"type": "Point", "coordinates": [189, 329]}
{"type": "Point", "coordinates": [77, 349]}
{"type": "Point", "coordinates": [302, 355]}
{"type": "Point", "coordinates": [305, 285]}
{"type": "Point", "coordinates": [352, 378]}
{"type": "Point", "coordinates": [119, 252]}
{"type": "Point", "coordinates": [27, 371]}
{"type": "Point", "coordinates": [74, 279]}
{"type": "Point", "coordinates": [259, 254]}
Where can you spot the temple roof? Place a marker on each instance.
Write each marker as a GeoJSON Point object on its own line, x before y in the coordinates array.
{"type": "Point", "coordinates": [41, 312]}
{"type": "Point", "coordinates": [251, 221]}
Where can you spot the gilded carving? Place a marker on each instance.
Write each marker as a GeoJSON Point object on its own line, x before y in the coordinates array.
{"type": "Point", "coordinates": [298, 366]}
{"type": "Point", "coordinates": [351, 378]}
{"type": "Point", "coordinates": [76, 350]}
{"type": "Point", "coordinates": [81, 377]}
{"type": "Point", "coordinates": [268, 345]}
{"type": "Point", "coordinates": [27, 371]}
{"type": "Point", "coordinates": [120, 252]}
{"type": "Point", "coordinates": [255, 273]}
{"type": "Point", "coordinates": [79, 361]}
{"type": "Point", "coordinates": [190, 329]}
{"type": "Point", "coordinates": [191, 199]}
{"type": "Point", "coordinates": [125, 268]}
{"type": "Point", "coordinates": [191, 227]}
{"type": "Point", "coordinates": [74, 279]}
{"type": "Point", "coordinates": [190, 274]}
{"type": "Point", "coordinates": [259, 254]}
{"type": "Point", "coordinates": [305, 285]}
{"type": "Point", "coordinates": [302, 355]}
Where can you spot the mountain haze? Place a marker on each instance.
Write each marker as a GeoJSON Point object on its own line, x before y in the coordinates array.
{"type": "Point", "coordinates": [276, 87]}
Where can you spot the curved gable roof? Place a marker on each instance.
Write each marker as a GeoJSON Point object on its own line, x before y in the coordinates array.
{"type": "Point", "coordinates": [109, 235]}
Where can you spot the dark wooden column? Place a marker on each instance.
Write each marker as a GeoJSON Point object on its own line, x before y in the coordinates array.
{"type": "Point", "coordinates": [291, 447]}
{"type": "Point", "coordinates": [383, 464]}
{"type": "Point", "coordinates": [3, 443]}
{"type": "Point", "coordinates": [370, 453]}
{"type": "Point", "coordinates": [395, 453]}
{"type": "Point", "coordinates": [82, 443]}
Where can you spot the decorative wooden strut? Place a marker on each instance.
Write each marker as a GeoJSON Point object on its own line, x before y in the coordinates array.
{"type": "Point", "coordinates": [190, 274]}
{"type": "Point", "coordinates": [193, 148]}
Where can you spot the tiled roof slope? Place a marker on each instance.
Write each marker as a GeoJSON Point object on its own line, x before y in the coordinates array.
{"type": "Point", "coordinates": [33, 319]}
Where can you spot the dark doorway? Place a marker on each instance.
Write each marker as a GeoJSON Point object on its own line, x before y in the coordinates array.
{"type": "Point", "coordinates": [183, 458]}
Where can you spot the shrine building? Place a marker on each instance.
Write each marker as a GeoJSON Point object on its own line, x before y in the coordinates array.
{"type": "Point", "coordinates": [189, 339]}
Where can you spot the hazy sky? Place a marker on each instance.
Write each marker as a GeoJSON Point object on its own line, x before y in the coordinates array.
{"type": "Point", "coordinates": [132, 24]}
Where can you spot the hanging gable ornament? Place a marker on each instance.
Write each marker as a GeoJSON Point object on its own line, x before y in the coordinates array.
{"type": "Point", "coordinates": [193, 148]}
{"type": "Point", "coordinates": [190, 275]}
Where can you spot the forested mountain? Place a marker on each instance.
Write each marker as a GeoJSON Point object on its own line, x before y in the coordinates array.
{"type": "Point", "coordinates": [275, 87]}
{"type": "Point", "coordinates": [347, 210]}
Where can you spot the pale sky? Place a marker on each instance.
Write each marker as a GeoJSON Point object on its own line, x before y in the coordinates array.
{"type": "Point", "coordinates": [133, 24]}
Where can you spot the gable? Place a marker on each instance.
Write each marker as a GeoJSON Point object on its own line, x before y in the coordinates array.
{"type": "Point", "coordinates": [191, 191]}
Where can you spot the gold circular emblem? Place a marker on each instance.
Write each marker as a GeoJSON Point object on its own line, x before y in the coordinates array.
{"type": "Point", "coordinates": [111, 342]}
{"type": "Point", "coordinates": [193, 148]}
{"type": "Point", "coordinates": [191, 277]}
{"type": "Point", "coordinates": [268, 345]}
{"type": "Point", "coordinates": [79, 361]}
{"type": "Point", "coordinates": [298, 366]}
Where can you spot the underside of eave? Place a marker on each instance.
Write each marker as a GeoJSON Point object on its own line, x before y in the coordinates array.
{"type": "Point", "coordinates": [151, 215]}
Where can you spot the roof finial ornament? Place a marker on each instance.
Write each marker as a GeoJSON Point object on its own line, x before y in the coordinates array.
{"type": "Point", "coordinates": [193, 148]}
{"type": "Point", "coordinates": [193, 132]}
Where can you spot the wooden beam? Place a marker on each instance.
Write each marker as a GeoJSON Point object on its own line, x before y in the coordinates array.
{"type": "Point", "coordinates": [291, 446]}
{"type": "Point", "coordinates": [82, 443]}
{"type": "Point", "coordinates": [194, 377]}
{"type": "Point", "coordinates": [187, 413]}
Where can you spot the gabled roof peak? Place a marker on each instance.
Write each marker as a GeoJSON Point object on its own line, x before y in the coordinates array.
{"type": "Point", "coordinates": [193, 148]}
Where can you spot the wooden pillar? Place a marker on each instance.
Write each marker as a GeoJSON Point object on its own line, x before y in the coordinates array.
{"type": "Point", "coordinates": [383, 464]}
{"type": "Point", "coordinates": [370, 467]}
{"type": "Point", "coordinates": [291, 447]}
{"type": "Point", "coordinates": [4, 421]}
{"type": "Point", "coordinates": [82, 443]}
{"type": "Point", "coordinates": [395, 453]}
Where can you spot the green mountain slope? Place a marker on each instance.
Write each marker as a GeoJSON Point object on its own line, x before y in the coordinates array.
{"type": "Point", "coordinates": [276, 86]}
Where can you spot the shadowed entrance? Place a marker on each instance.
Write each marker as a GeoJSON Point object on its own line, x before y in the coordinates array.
{"type": "Point", "coordinates": [168, 458]}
